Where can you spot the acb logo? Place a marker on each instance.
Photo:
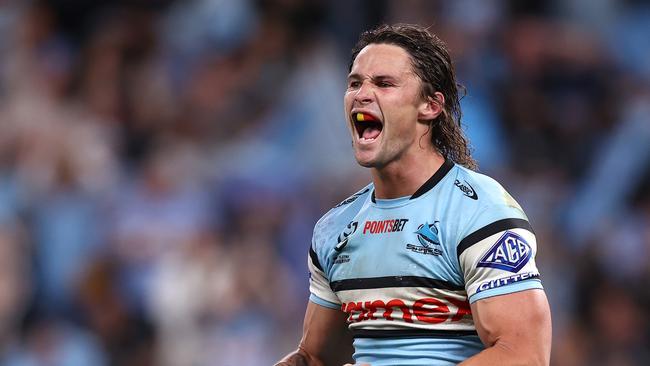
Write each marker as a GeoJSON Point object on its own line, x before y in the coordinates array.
{"type": "Point", "coordinates": [510, 253]}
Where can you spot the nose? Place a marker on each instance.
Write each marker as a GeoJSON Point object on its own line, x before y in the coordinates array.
{"type": "Point", "coordinates": [364, 94]}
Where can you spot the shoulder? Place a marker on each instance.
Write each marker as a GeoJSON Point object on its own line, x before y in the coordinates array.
{"type": "Point", "coordinates": [494, 211]}
{"type": "Point", "coordinates": [350, 205]}
{"type": "Point", "coordinates": [338, 218]}
{"type": "Point", "coordinates": [485, 190]}
{"type": "Point", "coordinates": [487, 196]}
{"type": "Point", "coordinates": [484, 205]}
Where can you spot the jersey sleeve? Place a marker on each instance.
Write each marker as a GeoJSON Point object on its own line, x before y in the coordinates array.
{"type": "Point", "coordinates": [498, 258]}
{"type": "Point", "coordinates": [319, 288]}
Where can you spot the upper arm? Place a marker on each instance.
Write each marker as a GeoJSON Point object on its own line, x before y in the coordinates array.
{"type": "Point", "coordinates": [325, 335]}
{"type": "Point", "coordinates": [326, 339]}
{"type": "Point", "coordinates": [519, 323]}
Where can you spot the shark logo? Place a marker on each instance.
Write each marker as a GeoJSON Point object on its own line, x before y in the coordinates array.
{"type": "Point", "coordinates": [428, 234]}
{"type": "Point", "coordinates": [343, 237]}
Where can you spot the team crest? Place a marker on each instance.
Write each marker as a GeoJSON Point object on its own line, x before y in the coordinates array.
{"type": "Point", "coordinates": [510, 253]}
{"type": "Point", "coordinates": [428, 234]}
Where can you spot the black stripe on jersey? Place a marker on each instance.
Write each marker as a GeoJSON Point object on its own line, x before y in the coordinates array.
{"type": "Point", "coordinates": [314, 258]}
{"type": "Point", "coordinates": [426, 187]}
{"type": "Point", "coordinates": [393, 281]}
{"type": "Point", "coordinates": [492, 229]}
{"type": "Point", "coordinates": [411, 333]}
{"type": "Point", "coordinates": [437, 177]}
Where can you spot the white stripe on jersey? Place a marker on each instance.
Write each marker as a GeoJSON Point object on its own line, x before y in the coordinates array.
{"type": "Point", "coordinates": [410, 308]}
{"type": "Point", "coordinates": [318, 283]}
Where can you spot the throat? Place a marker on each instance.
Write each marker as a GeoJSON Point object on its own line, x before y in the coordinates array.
{"type": "Point", "coordinates": [406, 176]}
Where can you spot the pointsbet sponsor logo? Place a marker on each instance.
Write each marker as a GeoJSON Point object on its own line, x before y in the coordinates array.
{"type": "Point", "coordinates": [384, 226]}
{"type": "Point", "coordinates": [427, 310]}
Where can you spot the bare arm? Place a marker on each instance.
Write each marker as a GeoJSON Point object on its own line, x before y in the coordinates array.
{"type": "Point", "coordinates": [325, 339]}
{"type": "Point", "coordinates": [515, 328]}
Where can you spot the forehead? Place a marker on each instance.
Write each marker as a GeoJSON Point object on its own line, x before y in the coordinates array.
{"type": "Point", "coordinates": [384, 59]}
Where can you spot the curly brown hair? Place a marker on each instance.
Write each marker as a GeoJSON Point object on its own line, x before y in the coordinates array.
{"type": "Point", "coordinates": [432, 64]}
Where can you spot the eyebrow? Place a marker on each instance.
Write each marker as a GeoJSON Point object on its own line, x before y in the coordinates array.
{"type": "Point", "coordinates": [376, 78]}
{"type": "Point", "coordinates": [354, 76]}
{"type": "Point", "coordinates": [384, 77]}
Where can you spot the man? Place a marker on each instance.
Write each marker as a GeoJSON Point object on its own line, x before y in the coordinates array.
{"type": "Point", "coordinates": [431, 263]}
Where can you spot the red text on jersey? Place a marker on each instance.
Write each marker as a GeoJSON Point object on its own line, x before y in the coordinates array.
{"type": "Point", "coordinates": [384, 226]}
{"type": "Point", "coordinates": [427, 310]}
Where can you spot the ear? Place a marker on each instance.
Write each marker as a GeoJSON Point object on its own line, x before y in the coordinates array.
{"type": "Point", "coordinates": [431, 107]}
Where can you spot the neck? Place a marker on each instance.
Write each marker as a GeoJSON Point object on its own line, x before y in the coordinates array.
{"type": "Point", "coordinates": [404, 178]}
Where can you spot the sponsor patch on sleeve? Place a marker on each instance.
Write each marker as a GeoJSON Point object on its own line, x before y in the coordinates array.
{"type": "Point", "coordinates": [499, 282]}
{"type": "Point", "coordinates": [500, 263]}
{"type": "Point", "coordinates": [510, 253]}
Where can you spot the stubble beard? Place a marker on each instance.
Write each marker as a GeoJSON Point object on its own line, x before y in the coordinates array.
{"type": "Point", "coordinates": [385, 155]}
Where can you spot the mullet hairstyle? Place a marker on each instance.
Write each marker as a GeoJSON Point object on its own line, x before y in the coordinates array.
{"type": "Point", "coordinates": [432, 64]}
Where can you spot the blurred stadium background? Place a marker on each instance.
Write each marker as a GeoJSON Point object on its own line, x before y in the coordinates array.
{"type": "Point", "coordinates": [162, 164]}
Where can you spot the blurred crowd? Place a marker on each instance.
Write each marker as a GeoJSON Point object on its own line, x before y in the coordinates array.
{"type": "Point", "coordinates": [162, 164]}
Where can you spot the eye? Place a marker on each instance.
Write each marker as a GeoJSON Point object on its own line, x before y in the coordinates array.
{"type": "Point", "coordinates": [384, 84]}
{"type": "Point", "coordinates": [354, 84]}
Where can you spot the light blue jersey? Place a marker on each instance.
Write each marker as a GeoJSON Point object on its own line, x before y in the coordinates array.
{"type": "Point", "coordinates": [405, 270]}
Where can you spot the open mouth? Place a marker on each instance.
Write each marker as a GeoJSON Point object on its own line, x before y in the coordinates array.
{"type": "Point", "coordinates": [368, 127]}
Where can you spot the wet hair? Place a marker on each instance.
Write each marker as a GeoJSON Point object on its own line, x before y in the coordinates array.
{"type": "Point", "coordinates": [432, 64]}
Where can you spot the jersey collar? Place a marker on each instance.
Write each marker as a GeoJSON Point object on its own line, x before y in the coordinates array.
{"type": "Point", "coordinates": [430, 183]}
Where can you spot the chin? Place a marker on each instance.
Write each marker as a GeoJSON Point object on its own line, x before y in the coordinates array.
{"type": "Point", "coordinates": [364, 161]}
{"type": "Point", "coordinates": [366, 164]}
{"type": "Point", "coordinates": [369, 157]}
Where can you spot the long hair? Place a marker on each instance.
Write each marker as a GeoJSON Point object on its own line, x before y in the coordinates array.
{"type": "Point", "coordinates": [432, 64]}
